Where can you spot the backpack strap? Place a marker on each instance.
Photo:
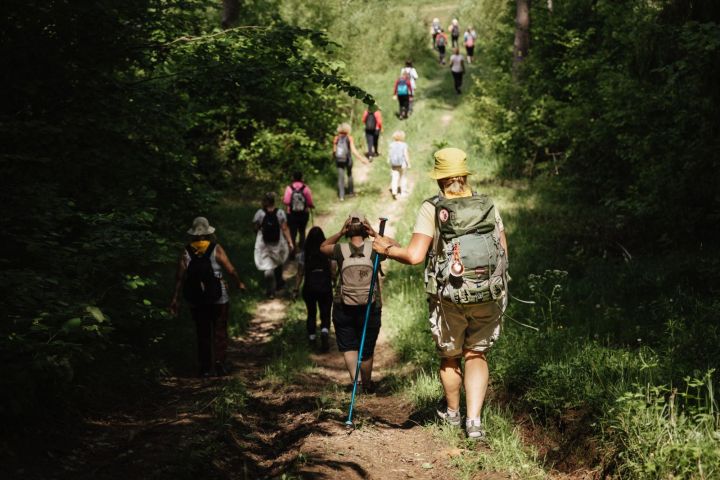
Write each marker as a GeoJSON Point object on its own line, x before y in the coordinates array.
{"type": "Point", "coordinates": [367, 250]}
{"type": "Point", "coordinates": [345, 251]}
{"type": "Point", "coordinates": [436, 235]}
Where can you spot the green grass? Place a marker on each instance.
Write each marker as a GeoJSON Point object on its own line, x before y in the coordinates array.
{"type": "Point", "coordinates": [626, 390]}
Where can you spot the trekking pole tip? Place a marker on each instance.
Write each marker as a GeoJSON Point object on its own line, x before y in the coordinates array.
{"type": "Point", "coordinates": [349, 425]}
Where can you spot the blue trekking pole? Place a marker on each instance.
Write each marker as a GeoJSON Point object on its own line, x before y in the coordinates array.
{"type": "Point", "coordinates": [373, 278]}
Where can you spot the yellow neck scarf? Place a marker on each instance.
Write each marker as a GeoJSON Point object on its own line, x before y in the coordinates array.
{"type": "Point", "coordinates": [200, 246]}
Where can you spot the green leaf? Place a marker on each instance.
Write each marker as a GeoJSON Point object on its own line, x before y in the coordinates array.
{"type": "Point", "coordinates": [72, 324]}
{"type": "Point", "coordinates": [96, 313]}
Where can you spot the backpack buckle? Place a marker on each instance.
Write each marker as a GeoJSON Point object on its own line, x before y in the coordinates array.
{"type": "Point", "coordinates": [456, 267]}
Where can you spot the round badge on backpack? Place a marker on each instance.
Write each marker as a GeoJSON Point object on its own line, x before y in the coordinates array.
{"type": "Point", "coordinates": [443, 215]}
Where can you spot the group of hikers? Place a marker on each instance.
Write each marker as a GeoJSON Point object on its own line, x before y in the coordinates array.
{"type": "Point", "coordinates": [457, 61]}
{"type": "Point", "coordinates": [344, 151]}
{"type": "Point", "coordinates": [458, 233]}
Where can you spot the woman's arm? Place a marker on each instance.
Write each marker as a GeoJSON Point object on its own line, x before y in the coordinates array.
{"type": "Point", "coordinates": [356, 153]}
{"type": "Point", "coordinates": [299, 277]}
{"type": "Point", "coordinates": [179, 278]}
{"type": "Point", "coordinates": [414, 253]}
{"type": "Point", "coordinates": [407, 156]}
{"type": "Point", "coordinates": [328, 245]}
{"type": "Point", "coordinates": [286, 233]}
{"type": "Point", "coordinates": [225, 263]}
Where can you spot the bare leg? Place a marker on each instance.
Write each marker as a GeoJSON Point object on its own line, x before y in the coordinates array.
{"type": "Point", "coordinates": [351, 358]}
{"type": "Point", "coordinates": [451, 379]}
{"type": "Point", "coordinates": [477, 377]}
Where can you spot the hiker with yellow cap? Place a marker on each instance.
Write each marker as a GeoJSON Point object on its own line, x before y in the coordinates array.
{"type": "Point", "coordinates": [461, 235]}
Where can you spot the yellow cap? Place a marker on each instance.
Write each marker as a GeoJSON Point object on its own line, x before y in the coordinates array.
{"type": "Point", "coordinates": [450, 162]}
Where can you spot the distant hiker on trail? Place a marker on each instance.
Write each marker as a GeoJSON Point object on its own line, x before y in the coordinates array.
{"type": "Point", "coordinates": [410, 71]}
{"type": "Point", "coordinates": [440, 43]}
{"type": "Point", "coordinates": [457, 68]}
{"type": "Point", "coordinates": [399, 160]}
{"type": "Point", "coordinates": [355, 265]}
{"type": "Point", "coordinates": [199, 277]}
{"type": "Point", "coordinates": [461, 235]}
{"type": "Point", "coordinates": [402, 92]}
{"type": "Point", "coordinates": [469, 40]}
{"type": "Point", "coordinates": [315, 275]}
{"type": "Point", "coordinates": [298, 200]}
{"type": "Point", "coordinates": [435, 28]}
{"type": "Point", "coordinates": [454, 30]}
{"type": "Point", "coordinates": [343, 152]}
{"type": "Point", "coordinates": [372, 119]}
{"type": "Point", "coordinates": [272, 244]}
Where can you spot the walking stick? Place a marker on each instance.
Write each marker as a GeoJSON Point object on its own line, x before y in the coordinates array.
{"type": "Point", "coordinates": [373, 278]}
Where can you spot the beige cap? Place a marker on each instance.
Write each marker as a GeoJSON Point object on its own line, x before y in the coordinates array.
{"type": "Point", "coordinates": [201, 226]}
{"type": "Point", "coordinates": [450, 162]}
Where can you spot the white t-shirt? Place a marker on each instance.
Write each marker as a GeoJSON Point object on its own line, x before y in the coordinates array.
{"type": "Point", "coordinates": [412, 73]}
{"type": "Point", "coordinates": [456, 62]}
{"type": "Point", "coordinates": [397, 156]}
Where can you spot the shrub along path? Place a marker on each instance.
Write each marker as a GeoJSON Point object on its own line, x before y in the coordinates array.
{"type": "Point", "coordinates": [281, 412]}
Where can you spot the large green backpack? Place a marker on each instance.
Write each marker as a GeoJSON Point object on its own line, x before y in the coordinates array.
{"type": "Point", "coordinates": [467, 264]}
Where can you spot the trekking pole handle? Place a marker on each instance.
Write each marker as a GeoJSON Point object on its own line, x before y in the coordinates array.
{"type": "Point", "coordinates": [383, 221]}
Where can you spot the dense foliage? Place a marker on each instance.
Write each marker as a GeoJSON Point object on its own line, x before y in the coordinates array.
{"type": "Point", "coordinates": [120, 122]}
{"type": "Point", "coordinates": [615, 117]}
{"type": "Point", "coordinates": [614, 122]}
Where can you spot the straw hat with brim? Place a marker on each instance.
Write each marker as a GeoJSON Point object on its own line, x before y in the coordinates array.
{"type": "Point", "coordinates": [201, 226]}
{"type": "Point", "coordinates": [450, 162]}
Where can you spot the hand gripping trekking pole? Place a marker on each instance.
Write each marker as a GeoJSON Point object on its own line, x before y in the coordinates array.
{"type": "Point", "coordinates": [373, 279]}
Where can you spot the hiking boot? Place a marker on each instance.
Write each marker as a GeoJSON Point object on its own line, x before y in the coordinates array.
{"type": "Point", "coordinates": [451, 418]}
{"type": "Point", "coordinates": [474, 429]}
{"type": "Point", "coordinates": [324, 342]}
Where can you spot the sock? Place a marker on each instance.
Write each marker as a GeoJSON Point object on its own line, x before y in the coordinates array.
{"type": "Point", "coordinates": [311, 337]}
{"type": "Point", "coordinates": [325, 331]}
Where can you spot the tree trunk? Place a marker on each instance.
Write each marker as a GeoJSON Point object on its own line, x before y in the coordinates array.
{"type": "Point", "coordinates": [231, 9]}
{"type": "Point", "coordinates": [522, 34]}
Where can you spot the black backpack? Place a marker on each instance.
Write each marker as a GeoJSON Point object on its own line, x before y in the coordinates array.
{"type": "Point", "coordinates": [371, 121]}
{"type": "Point", "coordinates": [201, 286]}
{"type": "Point", "coordinates": [270, 227]}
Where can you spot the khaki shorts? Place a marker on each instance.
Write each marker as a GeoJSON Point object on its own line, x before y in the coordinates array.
{"type": "Point", "coordinates": [464, 327]}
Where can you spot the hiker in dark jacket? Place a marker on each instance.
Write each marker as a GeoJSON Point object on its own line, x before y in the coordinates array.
{"type": "Point", "coordinates": [315, 275]}
{"type": "Point", "coordinates": [355, 263]}
{"type": "Point", "coordinates": [210, 318]}
{"type": "Point", "coordinates": [298, 200]}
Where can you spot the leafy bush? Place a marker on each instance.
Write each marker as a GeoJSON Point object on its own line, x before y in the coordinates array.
{"type": "Point", "coordinates": [128, 122]}
{"type": "Point", "coordinates": [665, 432]}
